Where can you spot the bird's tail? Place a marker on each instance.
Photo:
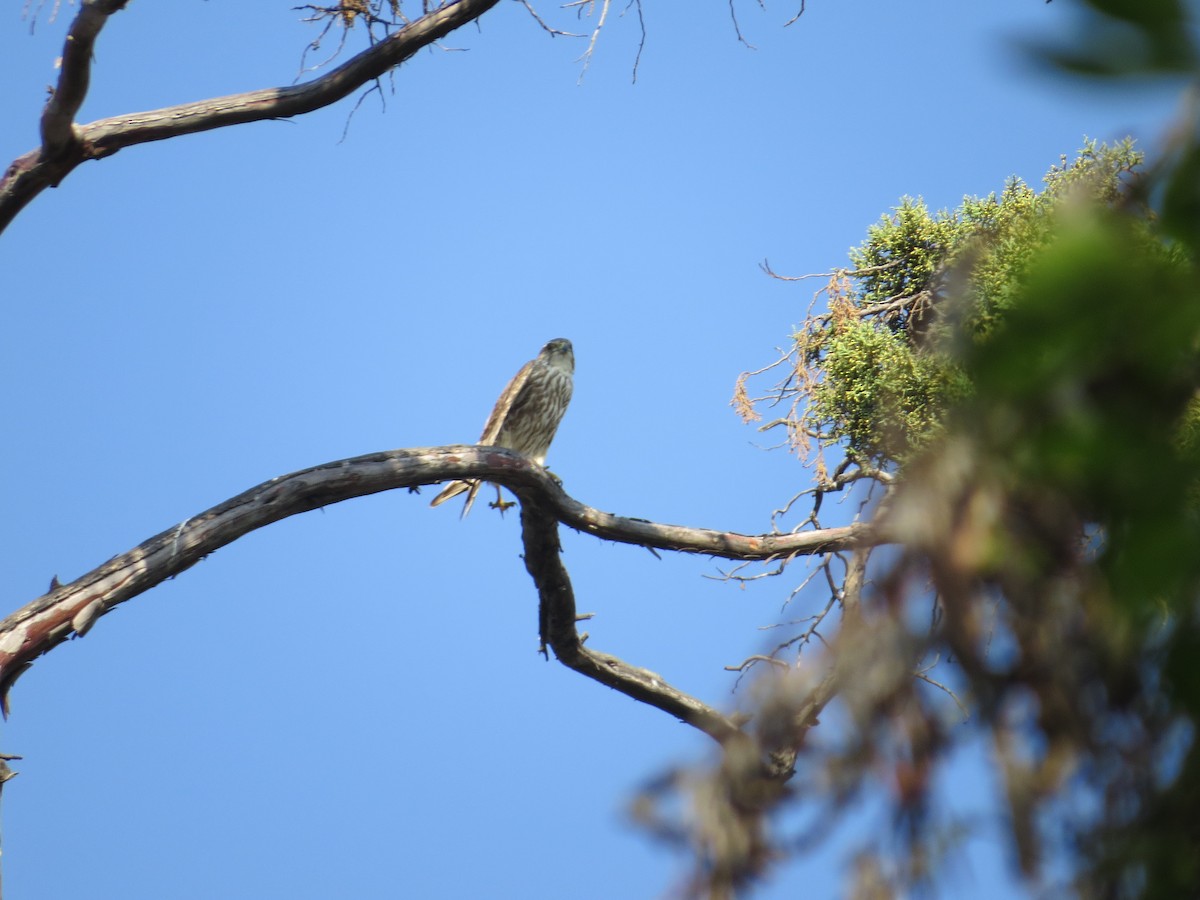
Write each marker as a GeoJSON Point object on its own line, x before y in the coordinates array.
{"type": "Point", "coordinates": [453, 489]}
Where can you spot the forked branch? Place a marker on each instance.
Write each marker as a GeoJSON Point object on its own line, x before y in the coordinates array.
{"type": "Point", "coordinates": [71, 609]}
{"type": "Point", "coordinates": [58, 118]}
{"type": "Point", "coordinates": [539, 533]}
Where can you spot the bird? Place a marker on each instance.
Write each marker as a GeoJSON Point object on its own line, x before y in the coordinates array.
{"type": "Point", "coordinates": [526, 416]}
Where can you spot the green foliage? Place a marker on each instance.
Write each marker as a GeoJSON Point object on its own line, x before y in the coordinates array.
{"type": "Point", "coordinates": [1006, 234]}
{"type": "Point", "coordinates": [1082, 417]}
{"type": "Point", "coordinates": [1120, 38]}
{"type": "Point", "coordinates": [1031, 363]}
{"type": "Point", "coordinates": [886, 399]}
{"type": "Point", "coordinates": [1053, 396]}
{"type": "Point", "coordinates": [1074, 331]}
{"type": "Point", "coordinates": [886, 357]}
{"type": "Point", "coordinates": [903, 250]}
{"type": "Point", "coordinates": [1086, 388]}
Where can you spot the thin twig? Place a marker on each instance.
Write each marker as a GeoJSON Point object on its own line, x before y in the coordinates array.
{"type": "Point", "coordinates": [966, 713]}
{"type": "Point", "coordinates": [765, 265]}
{"type": "Point", "coordinates": [549, 29]}
{"type": "Point", "coordinates": [736, 28]}
{"type": "Point", "coordinates": [586, 58]}
{"type": "Point", "coordinates": [800, 13]}
{"type": "Point", "coordinates": [637, 60]}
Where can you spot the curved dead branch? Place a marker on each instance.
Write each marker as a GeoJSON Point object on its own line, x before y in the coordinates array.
{"type": "Point", "coordinates": [539, 533]}
{"type": "Point", "coordinates": [71, 609]}
{"type": "Point", "coordinates": [66, 145]}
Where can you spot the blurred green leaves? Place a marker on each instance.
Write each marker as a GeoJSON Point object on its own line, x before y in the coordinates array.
{"type": "Point", "coordinates": [1123, 38]}
{"type": "Point", "coordinates": [1085, 390]}
{"type": "Point", "coordinates": [1020, 376]}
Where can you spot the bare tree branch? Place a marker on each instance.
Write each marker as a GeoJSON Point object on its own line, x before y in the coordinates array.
{"type": "Point", "coordinates": [58, 118]}
{"type": "Point", "coordinates": [539, 532]}
{"type": "Point", "coordinates": [800, 12]}
{"type": "Point", "coordinates": [737, 29]}
{"type": "Point", "coordinates": [549, 29]}
{"type": "Point", "coordinates": [765, 265]}
{"type": "Point", "coordinates": [65, 145]}
{"type": "Point", "coordinates": [587, 7]}
{"type": "Point", "coordinates": [71, 609]}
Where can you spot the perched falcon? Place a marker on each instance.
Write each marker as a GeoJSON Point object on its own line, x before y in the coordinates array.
{"type": "Point", "coordinates": [527, 414]}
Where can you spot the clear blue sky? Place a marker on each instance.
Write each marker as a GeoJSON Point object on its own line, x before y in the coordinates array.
{"type": "Point", "coordinates": [349, 703]}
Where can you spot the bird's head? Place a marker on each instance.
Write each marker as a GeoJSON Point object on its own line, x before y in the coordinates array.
{"type": "Point", "coordinates": [560, 354]}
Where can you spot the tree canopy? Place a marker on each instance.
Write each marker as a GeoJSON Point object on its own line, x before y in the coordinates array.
{"type": "Point", "coordinates": [878, 369]}
{"type": "Point", "coordinates": [1016, 380]}
{"type": "Point", "coordinates": [1005, 390]}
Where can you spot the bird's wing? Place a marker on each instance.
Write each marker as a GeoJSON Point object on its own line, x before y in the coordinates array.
{"type": "Point", "coordinates": [500, 411]}
{"type": "Point", "coordinates": [491, 431]}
